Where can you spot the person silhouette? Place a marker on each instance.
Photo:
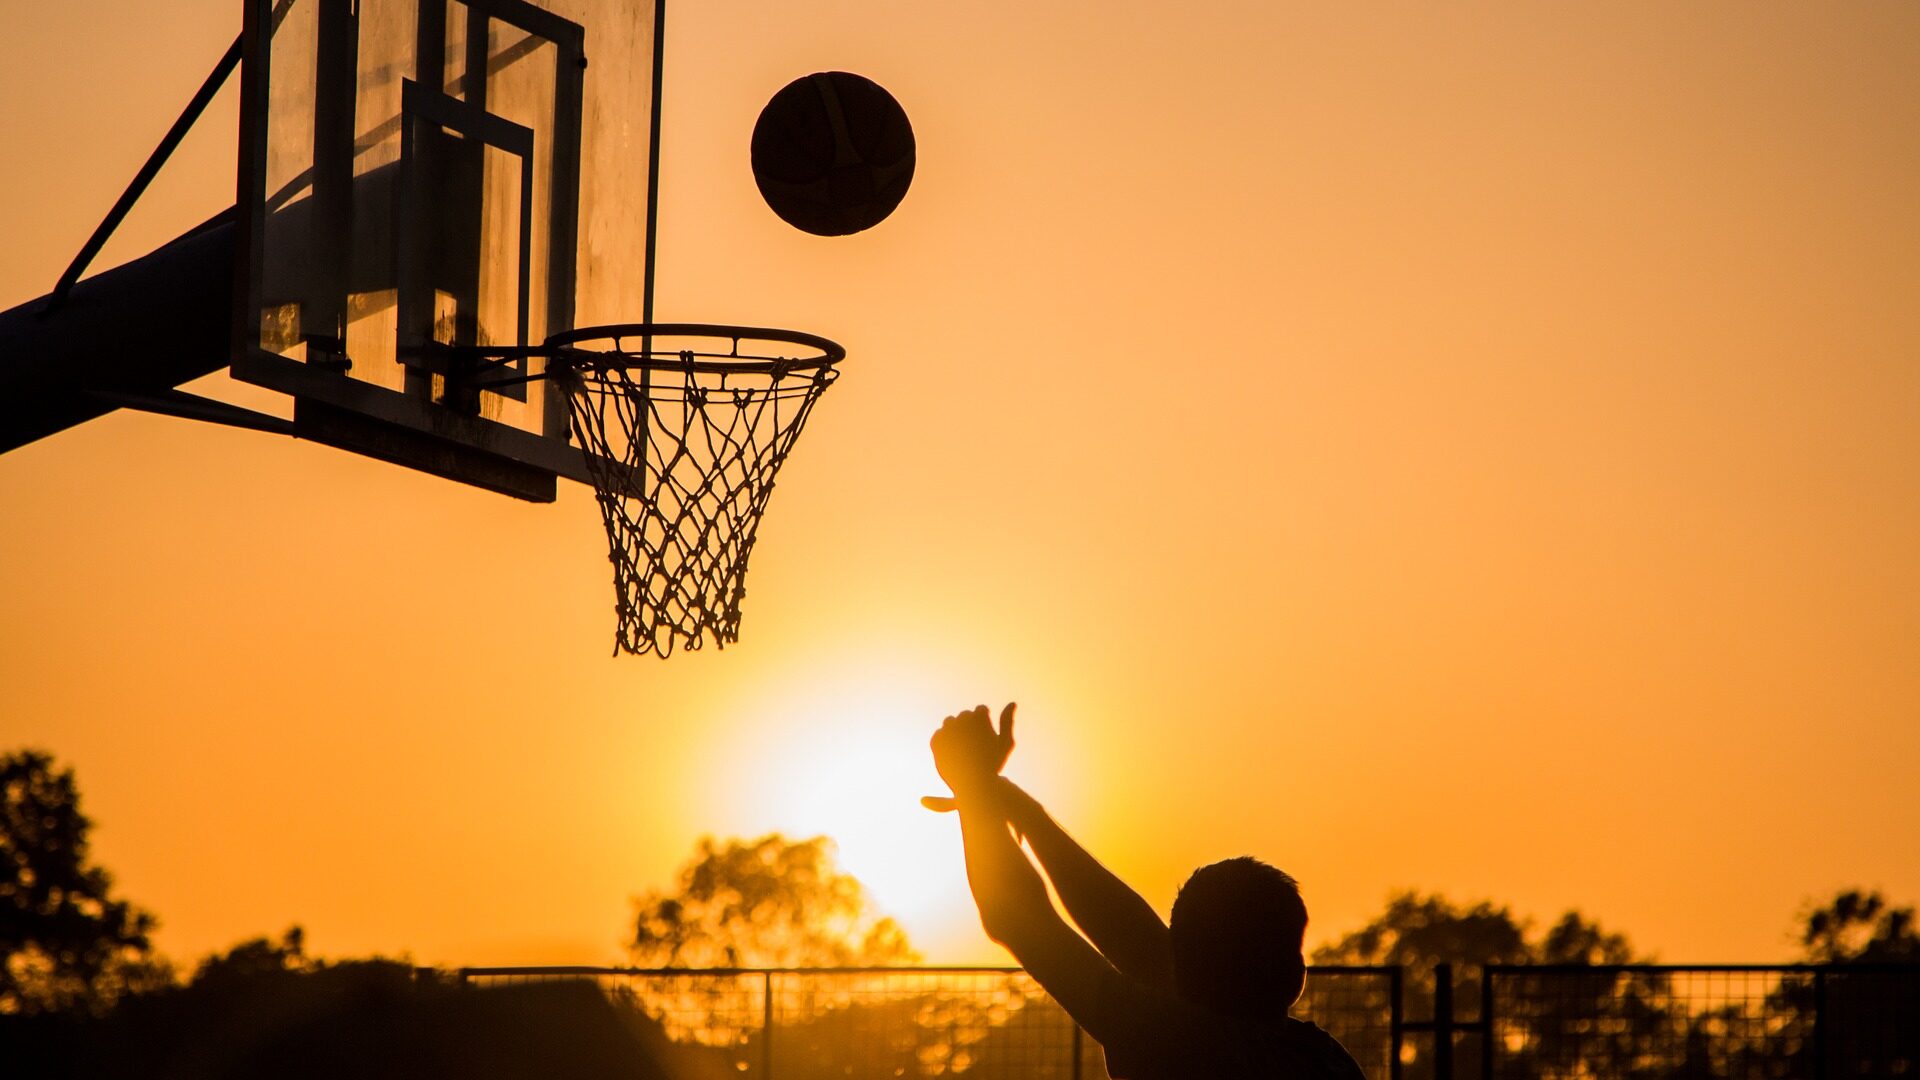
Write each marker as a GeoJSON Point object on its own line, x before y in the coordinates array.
{"type": "Point", "coordinates": [1205, 994]}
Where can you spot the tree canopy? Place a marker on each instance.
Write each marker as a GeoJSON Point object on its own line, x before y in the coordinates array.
{"type": "Point", "coordinates": [770, 902]}
{"type": "Point", "coordinates": [1859, 927]}
{"type": "Point", "coordinates": [66, 942]}
{"type": "Point", "coordinates": [1421, 931]}
{"type": "Point", "coordinates": [258, 958]}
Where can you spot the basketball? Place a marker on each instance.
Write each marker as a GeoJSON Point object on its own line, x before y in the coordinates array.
{"type": "Point", "coordinates": [833, 153]}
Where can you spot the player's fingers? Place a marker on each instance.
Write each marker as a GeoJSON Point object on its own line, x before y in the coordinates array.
{"type": "Point", "coordinates": [1006, 725]}
{"type": "Point", "coordinates": [939, 804]}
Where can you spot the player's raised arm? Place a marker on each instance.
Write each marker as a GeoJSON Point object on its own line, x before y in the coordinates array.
{"type": "Point", "coordinates": [1015, 909]}
{"type": "Point", "coordinates": [1126, 1015]}
{"type": "Point", "coordinates": [1119, 922]}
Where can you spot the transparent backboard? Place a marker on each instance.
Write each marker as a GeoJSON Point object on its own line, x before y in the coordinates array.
{"type": "Point", "coordinates": [420, 175]}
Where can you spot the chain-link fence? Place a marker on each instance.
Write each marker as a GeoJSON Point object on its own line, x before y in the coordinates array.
{"type": "Point", "coordinates": [1723, 1022]}
{"type": "Point", "coordinates": [1629, 1022]}
{"type": "Point", "coordinates": [914, 1023]}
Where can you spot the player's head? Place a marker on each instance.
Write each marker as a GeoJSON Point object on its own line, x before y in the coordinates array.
{"type": "Point", "coordinates": [1238, 927]}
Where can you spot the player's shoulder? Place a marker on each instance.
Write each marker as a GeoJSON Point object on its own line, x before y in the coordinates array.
{"type": "Point", "coordinates": [1309, 1048]}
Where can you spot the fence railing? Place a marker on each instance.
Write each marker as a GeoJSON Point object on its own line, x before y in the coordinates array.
{"type": "Point", "coordinates": [1668, 1022]}
{"type": "Point", "coordinates": [891, 1023]}
{"type": "Point", "coordinates": [1621, 1022]}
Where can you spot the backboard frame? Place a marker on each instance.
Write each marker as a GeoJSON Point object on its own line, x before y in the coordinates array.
{"type": "Point", "coordinates": [419, 425]}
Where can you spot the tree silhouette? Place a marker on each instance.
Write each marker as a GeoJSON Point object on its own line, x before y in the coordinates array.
{"type": "Point", "coordinates": [1421, 932]}
{"type": "Point", "coordinates": [1658, 1025]}
{"type": "Point", "coordinates": [1859, 927]}
{"type": "Point", "coordinates": [770, 902]}
{"type": "Point", "coordinates": [1865, 1015]}
{"type": "Point", "coordinates": [367, 1019]}
{"type": "Point", "coordinates": [257, 958]}
{"type": "Point", "coordinates": [775, 902]}
{"type": "Point", "coordinates": [66, 942]}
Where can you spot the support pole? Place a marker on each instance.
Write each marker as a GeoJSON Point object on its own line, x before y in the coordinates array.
{"type": "Point", "coordinates": [140, 329]}
{"type": "Point", "coordinates": [1396, 1023]}
{"type": "Point", "coordinates": [1819, 1024]}
{"type": "Point", "coordinates": [766, 1026]}
{"type": "Point", "coordinates": [653, 165]}
{"type": "Point", "coordinates": [1486, 1022]}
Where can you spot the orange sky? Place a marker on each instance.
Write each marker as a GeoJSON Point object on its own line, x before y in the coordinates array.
{"type": "Point", "coordinates": [1465, 447]}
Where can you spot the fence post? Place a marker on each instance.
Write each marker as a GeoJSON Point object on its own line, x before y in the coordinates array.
{"type": "Point", "coordinates": [1443, 1022]}
{"type": "Point", "coordinates": [1486, 1022]}
{"type": "Point", "coordinates": [1396, 1023]}
{"type": "Point", "coordinates": [766, 1025]}
{"type": "Point", "coordinates": [1819, 1024]}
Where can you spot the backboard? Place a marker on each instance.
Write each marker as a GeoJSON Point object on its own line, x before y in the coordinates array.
{"type": "Point", "coordinates": [423, 174]}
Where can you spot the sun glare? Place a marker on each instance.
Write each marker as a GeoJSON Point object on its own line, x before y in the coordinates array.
{"type": "Point", "coordinates": [852, 765]}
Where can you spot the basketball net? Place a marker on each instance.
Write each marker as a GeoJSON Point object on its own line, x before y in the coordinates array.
{"type": "Point", "coordinates": [683, 449]}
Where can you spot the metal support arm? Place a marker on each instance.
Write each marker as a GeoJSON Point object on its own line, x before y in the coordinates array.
{"type": "Point", "coordinates": [194, 407]}
{"type": "Point", "coordinates": [145, 176]}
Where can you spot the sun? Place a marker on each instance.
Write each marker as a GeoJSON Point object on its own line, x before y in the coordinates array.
{"type": "Point", "coordinates": [852, 764]}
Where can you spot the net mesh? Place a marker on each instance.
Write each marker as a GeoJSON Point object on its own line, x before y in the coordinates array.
{"type": "Point", "coordinates": [683, 449]}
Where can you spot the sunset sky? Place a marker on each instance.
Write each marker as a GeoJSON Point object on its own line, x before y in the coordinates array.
{"type": "Point", "coordinates": [1471, 447]}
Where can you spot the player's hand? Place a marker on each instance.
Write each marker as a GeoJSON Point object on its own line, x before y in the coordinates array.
{"type": "Point", "coordinates": [969, 753]}
{"type": "Point", "coordinates": [1021, 810]}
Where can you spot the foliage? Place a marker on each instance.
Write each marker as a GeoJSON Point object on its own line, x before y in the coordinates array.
{"type": "Point", "coordinates": [1637, 1024]}
{"type": "Point", "coordinates": [1421, 932]}
{"type": "Point", "coordinates": [368, 1019]}
{"type": "Point", "coordinates": [770, 902]}
{"type": "Point", "coordinates": [1859, 927]}
{"type": "Point", "coordinates": [258, 958]}
{"type": "Point", "coordinates": [66, 942]}
{"type": "Point", "coordinates": [914, 1025]}
{"type": "Point", "coordinates": [1573, 940]}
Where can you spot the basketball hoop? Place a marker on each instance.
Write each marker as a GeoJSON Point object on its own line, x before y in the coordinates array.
{"type": "Point", "coordinates": [684, 428]}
